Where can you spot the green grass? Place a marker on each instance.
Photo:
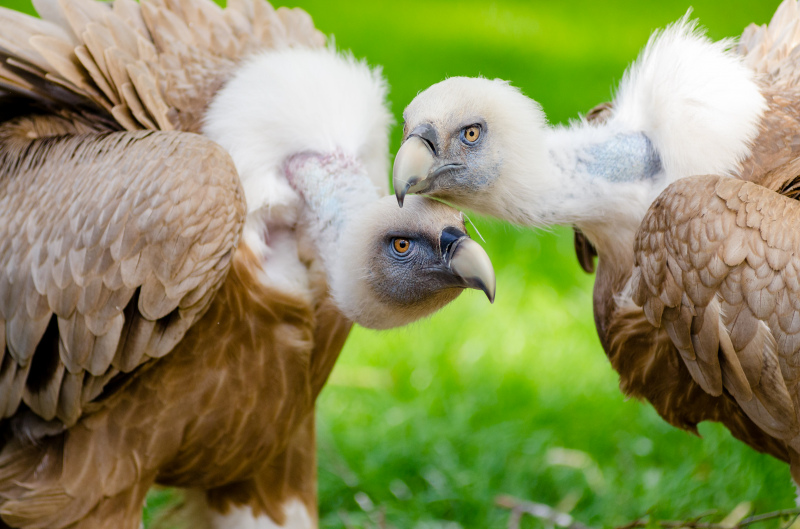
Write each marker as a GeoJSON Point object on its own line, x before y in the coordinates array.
{"type": "Point", "coordinates": [431, 422]}
{"type": "Point", "coordinates": [427, 424]}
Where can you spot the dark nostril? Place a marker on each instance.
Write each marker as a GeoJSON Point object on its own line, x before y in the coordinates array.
{"type": "Point", "coordinates": [427, 134]}
{"type": "Point", "coordinates": [429, 144]}
{"type": "Point", "coordinates": [449, 236]}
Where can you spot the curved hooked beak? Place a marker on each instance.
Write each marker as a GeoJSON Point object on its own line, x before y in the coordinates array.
{"type": "Point", "coordinates": [413, 162]}
{"type": "Point", "coordinates": [470, 262]}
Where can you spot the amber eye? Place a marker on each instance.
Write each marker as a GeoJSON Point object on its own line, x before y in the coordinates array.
{"type": "Point", "coordinates": [401, 246]}
{"type": "Point", "coordinates": [471, 134]}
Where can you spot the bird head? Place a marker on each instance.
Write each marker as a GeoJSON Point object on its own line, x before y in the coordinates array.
{"type": "Point", "coordinates": [464, 139]}
{"type": "Point", "coordinates": [386, 266]}
{"type": "Point", "coordinates": [405, 264]}
{"type": "Point", "coordinates": [308, 132]}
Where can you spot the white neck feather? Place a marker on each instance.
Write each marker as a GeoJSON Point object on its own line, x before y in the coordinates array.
{"type": "Point", "coordinates": [336, 190]}
{"type": "Point", "coordinates": [597, 178]}
{"type": "Point", "coordinates": [283, 102]}
{"type": "Point", "coordinates": [691, 98]}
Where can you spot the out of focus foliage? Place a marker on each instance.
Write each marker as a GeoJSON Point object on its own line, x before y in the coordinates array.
{"type": "Point", "coordinates": [423, 426]}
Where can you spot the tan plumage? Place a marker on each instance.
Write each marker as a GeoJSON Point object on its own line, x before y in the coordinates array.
{"type": "Point", "coordinates": [686, 388]}
{"type": "Point", "coordinates": [655, 374]}
{"type": "Point", "coordinates": [153, 65]}
{"type": "Point", "coordinates": [101, 277]}
{"type": "Point", "coordinates": [716, 258]}
{"type": "Point", "coordinates": [723, 286]}
{"type": "Point", "coordinates": [153, 329]}
{"type": "Point", "coordinates": [696, 296]}
{"type": "Point", "coordinates": [714, 271]}
{"type": "Point", "coordinates": [172, 421]}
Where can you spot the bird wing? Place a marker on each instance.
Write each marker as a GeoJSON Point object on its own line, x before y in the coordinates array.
{"type": "Point", "coordinates": [132, 66]}
{"type": "Point", "coordinates": [584, 250]}
{"type": "Point", "coordinates": [600, 113]}
{"type": "Point", "coordinates": [717, 264]}
{"type": "Point", "coordinates": [111, 246]}
{"type": "Point", "coordinates": [772, 50]}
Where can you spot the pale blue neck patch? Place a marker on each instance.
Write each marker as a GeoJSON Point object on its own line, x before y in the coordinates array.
{"type": "Point", "coordinates": [623, 158]}
{"type": "Point", "coordinates": [335, 187]}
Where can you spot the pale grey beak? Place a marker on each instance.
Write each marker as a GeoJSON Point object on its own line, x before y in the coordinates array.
{"type": "Point", "coordinates": [471, 263]}
{"type": "Point", "coordinates": [412, 164]}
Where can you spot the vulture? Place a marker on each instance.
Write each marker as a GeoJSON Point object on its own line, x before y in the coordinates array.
{"type": "Point", "coordinates": [685, 187]}
{"type": "Point", "coordinates": [190, 224]}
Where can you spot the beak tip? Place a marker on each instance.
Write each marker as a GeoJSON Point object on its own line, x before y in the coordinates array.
{"type": "Point", "coordinates": [490, 294]}
{"type": "Point", "coordinates": [471, 263]}
{"type": "Point", "coordinates": [401, 190]}
{"type": "Point", "coordinates": [412, 164]}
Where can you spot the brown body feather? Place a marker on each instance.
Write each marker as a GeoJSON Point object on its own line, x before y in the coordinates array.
{"type": "Point", "coordinates": [222, 413]}
{"type": "Point", "coordinates": [131, 355]}
{"type": "Point", "coordinates": [711, 335]}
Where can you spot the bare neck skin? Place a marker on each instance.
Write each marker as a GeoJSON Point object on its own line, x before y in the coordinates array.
{"type": "Point", "coordinates": [335, 187]}
{"type": "Point", "coordinates": [601, 180]}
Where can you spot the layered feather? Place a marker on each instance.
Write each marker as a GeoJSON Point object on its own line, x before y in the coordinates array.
{"type": "Point", "coordinates": [714, 258]}
{"type": "Point", "coordinates": [132, 66]}
{"type": "Point", "coordinates": [114, 274]}
{"type": "Point", "coordinates": [772, 50]}
{"type": "Point", "coordinates": [109, 265]}
{"type": "Point", "coordinates": [101, 68]}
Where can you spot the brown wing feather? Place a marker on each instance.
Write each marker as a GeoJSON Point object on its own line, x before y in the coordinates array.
{"type": "Point", "coordinates": [153, 65]}
{"type": "Point", "coordinates": [111, 246]}
{"type": "Point", "coordinates": [600, 113]}
{"type": "Point", "coordinates": [584, 250]}
{"type": "Point", "coordinates": [778, 143]}
{"type": "Point", "coordinates": [771, 50]}
{"type": "Point", "coordinates": [649, 369]}
{"type": "Point", "coordinates": [717, 265]}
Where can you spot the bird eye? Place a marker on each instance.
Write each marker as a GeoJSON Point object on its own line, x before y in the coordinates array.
{"type": "Point", "coordinates": [401, 246]}
{"type": "Point", "coordinates": [471, 134]}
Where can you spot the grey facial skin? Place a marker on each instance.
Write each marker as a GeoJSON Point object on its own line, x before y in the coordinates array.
{"type": "Point", "coordinates": [447, 264]}
{"type": "Point", "coordinates": [431, 160]}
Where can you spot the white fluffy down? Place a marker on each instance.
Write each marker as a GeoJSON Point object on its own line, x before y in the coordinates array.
{"type": "Point", "coordinates": [695, 100]}
{"type": "Point", "coordinates": [282, 102]}
{"type": "Point", "coordinates": [297, 517]}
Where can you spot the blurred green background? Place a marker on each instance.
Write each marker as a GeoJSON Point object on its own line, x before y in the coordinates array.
{"type": "Point", "coordinates": [424, 426]}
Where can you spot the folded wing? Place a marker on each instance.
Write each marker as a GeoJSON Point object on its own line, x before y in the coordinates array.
{"type": "Point", "coordinates": [132, 66]}
{"type": "Point", "coordinates": [717, 265]}
{"type": "Point", "coordinates": [111, 247]}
